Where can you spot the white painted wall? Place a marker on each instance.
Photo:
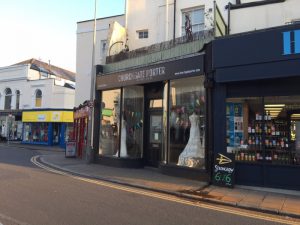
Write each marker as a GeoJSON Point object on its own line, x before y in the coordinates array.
{"type": "Point", "coordinates": [17, 78]}
{"type": "Point", "coordinates": [84, 53]}
{"type": "Point", "coordinates": [265, 16]}
{"type": "Point", "coordinates": [151, 15]}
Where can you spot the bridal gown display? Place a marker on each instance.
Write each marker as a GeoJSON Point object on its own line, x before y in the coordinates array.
{"type": "Point", "coordinates": [193, 153]}
{"type": "Point", "coordinates": [123, 147]}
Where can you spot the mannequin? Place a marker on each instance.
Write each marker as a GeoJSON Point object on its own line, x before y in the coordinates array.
{"type": "Point", "coordinates": [193, 153]}
{"type": "Point", "coordinates": [123, 152]}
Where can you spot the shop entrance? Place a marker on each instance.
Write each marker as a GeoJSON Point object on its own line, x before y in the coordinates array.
{"type": "Point", "coordinates": [154, 122]}
{"type": "Point", "coordinates": [56, 133]}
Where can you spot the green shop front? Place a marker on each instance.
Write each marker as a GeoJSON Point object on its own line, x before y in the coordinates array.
{"type": "Point", "coordinates": [47, 127]}
{"type": "Point", "coordinates": [155, 116]}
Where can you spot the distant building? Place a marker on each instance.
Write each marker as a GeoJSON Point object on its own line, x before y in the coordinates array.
{"type": "Point", "coordinates": [33, 85]}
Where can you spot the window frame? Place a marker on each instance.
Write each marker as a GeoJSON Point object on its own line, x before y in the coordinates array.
{"type": "Point", "coordinates": [142, 34]}
{"type": "Point", "coordinates": [191, 11]}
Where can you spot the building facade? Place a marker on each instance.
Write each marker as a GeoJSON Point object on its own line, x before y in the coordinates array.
{"type": "Point", "coordinates": [250, 15]}
{"type": "Point", "coordinates": [32, 85]}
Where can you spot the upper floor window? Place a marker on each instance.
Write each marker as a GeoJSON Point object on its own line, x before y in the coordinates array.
{"type": "Point", "coordinates": [196, 19]}
{"type": "Point", "coordinates": [17, 99]}
{"type": "Point", "coordinates": [103, 49]}
{"type": "Point", "coordinates": [7, 101]}
{"type": "Point", "coordinates": [142, 34]}
{"type": "Point", "coordinates": [38, 98]}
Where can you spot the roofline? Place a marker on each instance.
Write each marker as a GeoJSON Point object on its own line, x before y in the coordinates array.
{"type": "Point", "coordinates": [102, 18]}
{"type": "Point", "coordinates": [253, 4]}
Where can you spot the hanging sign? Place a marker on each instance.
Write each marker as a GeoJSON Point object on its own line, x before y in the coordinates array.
{"type": "Point", "coordinates": [224, 170]}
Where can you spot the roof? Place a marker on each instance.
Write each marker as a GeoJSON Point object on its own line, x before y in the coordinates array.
{"type": "Point", "coordinates": [48, 68]}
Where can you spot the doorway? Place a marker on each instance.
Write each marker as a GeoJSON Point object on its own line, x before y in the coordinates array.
{"type": "Point", "coordinates": [154, 123]}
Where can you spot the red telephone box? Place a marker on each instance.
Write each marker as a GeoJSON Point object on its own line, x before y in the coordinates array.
{"type": "Point", "coordinates": [81, 116]}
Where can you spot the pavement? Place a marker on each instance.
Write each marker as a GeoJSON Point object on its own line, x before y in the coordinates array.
{"type": "Point", "coordinates": [274, 201]}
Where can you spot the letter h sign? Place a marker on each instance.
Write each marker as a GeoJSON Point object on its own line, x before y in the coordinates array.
{"type": "Point", "coordinates": [291, 42]}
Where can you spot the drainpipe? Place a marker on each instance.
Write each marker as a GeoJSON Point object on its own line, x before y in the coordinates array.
{"type": "Point", "coordinates": [174, 23]}
{"type": "Point", "coordinates": [167, 21]}
{"type": "Point", "coordinates": [228, 26]}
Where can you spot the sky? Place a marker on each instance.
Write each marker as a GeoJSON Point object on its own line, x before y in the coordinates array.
{"type": "Point", "coordinates": [46, 29]}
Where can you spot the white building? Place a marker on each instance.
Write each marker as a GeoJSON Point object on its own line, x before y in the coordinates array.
{"type": "Point", "coordinates": [32, 85]}
{"type": "Point", "coordinates": [145, 23]}
{"type": "Point", "coordinates": [250, 15]}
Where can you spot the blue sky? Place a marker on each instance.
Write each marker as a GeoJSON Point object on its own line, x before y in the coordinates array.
{"type": "Point", "coordinates": [46, 29]}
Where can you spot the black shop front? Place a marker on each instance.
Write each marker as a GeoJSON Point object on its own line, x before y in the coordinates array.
{"type": "Point", "coordinates": [256, 105]}
{"type": "Point", "coordinates": [145, 117]}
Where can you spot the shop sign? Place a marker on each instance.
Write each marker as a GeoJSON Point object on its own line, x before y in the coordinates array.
{"type": "Point", "coordinates": [47, 116]}
{"type": "Point", "coordinates": [70, 149]}
{"type": "Point", "coordinates": [291, 42]}
{"type": "Point", "coordinates": [186, 67]}
{"type": "Point", "coordinates": [224, 170]}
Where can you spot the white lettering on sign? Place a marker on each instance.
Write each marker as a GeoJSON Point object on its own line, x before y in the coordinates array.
{"type": "Point", "coordinates": [142, 74]}
{"type": "Point", "coordinates": [41, 117]}
{"type": "Point", "coordinates": [226, 169]}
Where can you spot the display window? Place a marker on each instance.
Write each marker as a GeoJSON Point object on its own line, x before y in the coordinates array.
{"type": "Point", "coordinates": [110, 123]}
{"type": "Point", "coordinates": [69, 132]}
{"type": "Point", "coordinates": [264, 130]}
{"type": "Point", "coordinates": [35, 132]}
{"type": "Point", "coordinates": [187, 122]}
{"type": "Point", "coordinates": [131, 144]}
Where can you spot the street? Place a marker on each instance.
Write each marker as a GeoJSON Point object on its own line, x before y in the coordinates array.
{"type": "Point", "coordinates": [33, 195]}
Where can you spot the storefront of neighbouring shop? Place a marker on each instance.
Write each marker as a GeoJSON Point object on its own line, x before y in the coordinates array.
{"type": "Point", "coordinates": [257, 105]}
{"type": "Point", "coordinates": [155, 116]}
{"type": "Point", "coordinates": [47, 127]}
{"type": "Point", "coordinates": [10, 125]}
{"type": "Point", "coordinates": [81, 117]}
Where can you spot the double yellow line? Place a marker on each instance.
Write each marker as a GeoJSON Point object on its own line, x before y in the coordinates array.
{"type": "Point", "coordinates": [167, 197]}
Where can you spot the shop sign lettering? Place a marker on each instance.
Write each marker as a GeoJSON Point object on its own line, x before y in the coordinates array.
{"type": "Point", "coordinates": [142, 74]}
{"type": "Point", "coordinates": [41, 117]}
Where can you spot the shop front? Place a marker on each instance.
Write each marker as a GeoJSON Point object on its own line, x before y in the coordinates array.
{"type": "Point", "coordinates": [257, 105]}
{"type": "Point", "coordinates": [155, 116]}
{"type": "Point", "coordinates": [11, 125]}
{"type": "Point", "coordinates": [47, 127]}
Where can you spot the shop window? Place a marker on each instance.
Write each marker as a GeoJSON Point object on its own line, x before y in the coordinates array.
{"type": "Point", "coordinates": [35, 132]}
{"type": "Point", "coordinates": [69, 132]}
{"type": "Point", "coordinates": [131, 144]}
{"type": "Point", "coordinates": [187, 122]}
{"type": "Point", "coordinates": [38, 98]}
{"type": "Point", "coordinates": [264, 130]}
{"type": "Point", "coordinates": [196, 18]}
{"type": "Point", "coordinates": [17, 99]}
{"type": "Point", "coordinates": [7, 101]}
{"type": "Point", "coordinates": [110, 123]}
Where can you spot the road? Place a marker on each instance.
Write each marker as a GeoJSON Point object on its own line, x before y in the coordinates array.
{"type": "Point", "coordinates": [33, 195]}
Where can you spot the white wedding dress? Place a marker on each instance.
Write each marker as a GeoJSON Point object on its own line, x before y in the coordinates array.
{"type": "Point", "coordinates": [123, 152]}
{"type": "Point", "coordinates": [193, 153]}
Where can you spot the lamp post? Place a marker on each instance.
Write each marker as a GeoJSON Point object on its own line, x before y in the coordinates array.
{"type": "Point", "coordinates": [90, 155]}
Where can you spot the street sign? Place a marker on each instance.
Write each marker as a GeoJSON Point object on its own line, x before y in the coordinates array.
{"type": "Point", "coordinates": [70, 149]}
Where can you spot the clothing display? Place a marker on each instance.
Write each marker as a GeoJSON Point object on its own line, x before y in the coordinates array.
{"type": "Point", "coordinates": [193, 153]}
{"type": "Point", "coordinates": [123, 151]}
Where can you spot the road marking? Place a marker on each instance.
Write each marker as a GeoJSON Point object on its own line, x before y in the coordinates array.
{"type": "Point", "coordinates": [8, 218]}
{"type": "Point", "coordinates": [164, 196]}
